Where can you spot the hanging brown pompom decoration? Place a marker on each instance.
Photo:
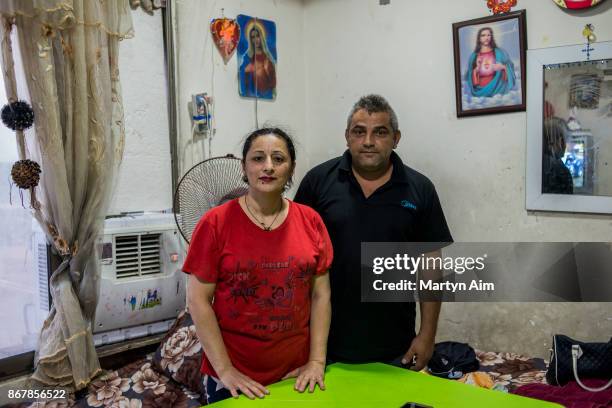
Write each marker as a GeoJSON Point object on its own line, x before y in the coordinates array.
{"type": "Point", "coordinates": [26, 174]}
{"type": "Point", "coordinates": [17, 115]}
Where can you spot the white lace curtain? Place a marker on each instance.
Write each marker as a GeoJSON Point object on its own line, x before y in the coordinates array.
{"type": "Point", "coordinates": [69, 51]}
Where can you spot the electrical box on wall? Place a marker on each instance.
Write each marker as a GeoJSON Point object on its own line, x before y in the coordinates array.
{"type": "Point", "coordinates": [199, 108]}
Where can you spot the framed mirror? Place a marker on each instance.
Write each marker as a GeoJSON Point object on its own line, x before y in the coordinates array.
{"type": "Point", "coordinates": [569, 128]}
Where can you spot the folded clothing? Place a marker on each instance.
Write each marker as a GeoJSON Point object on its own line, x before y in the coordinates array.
{"type": "Point", "coordinates": [479, 379]}
{"type": "Point", "coordinates": [571, 395]}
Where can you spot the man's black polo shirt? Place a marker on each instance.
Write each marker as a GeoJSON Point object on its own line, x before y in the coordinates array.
{"type": "Point", "coordinates": [405, 209]}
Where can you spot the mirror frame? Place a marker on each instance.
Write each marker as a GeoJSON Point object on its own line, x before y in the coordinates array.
{"type": "Point", "coordinates": [537, 59]}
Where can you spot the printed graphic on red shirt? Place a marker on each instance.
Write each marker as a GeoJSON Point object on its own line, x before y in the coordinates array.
{"type": "Point", "coordinates": [274, 293]}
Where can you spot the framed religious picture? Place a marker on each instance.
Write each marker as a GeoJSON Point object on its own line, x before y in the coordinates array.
{"type": "Point", "coordinates": [490, 64]}
{"type": "Point", "coordinates": [256, 58]}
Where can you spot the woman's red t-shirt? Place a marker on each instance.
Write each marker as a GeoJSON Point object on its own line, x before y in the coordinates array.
{"type": "Point", "coordinates": [263, 281]}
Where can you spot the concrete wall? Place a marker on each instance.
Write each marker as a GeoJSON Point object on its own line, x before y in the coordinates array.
{"type": "Point", "coordinates": [145, 181]}
{"type": "Point", "coordinates": [404, 51]}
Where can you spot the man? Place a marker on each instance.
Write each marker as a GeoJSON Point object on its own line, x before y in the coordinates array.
{"type": "Point", "coordinates": [369, 195]}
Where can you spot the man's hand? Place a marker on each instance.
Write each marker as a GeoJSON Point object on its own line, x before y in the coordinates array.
{"type": "Point", "coordinates": [235, 381]}
{"type": "Point", "coordinates": [421, 348]}
{"type": "Point", "coordinates": [310, 374]}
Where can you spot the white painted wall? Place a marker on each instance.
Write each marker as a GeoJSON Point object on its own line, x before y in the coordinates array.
{"type": "Point", "coordinates": [201, 69]}
{"type": "Point", "coordinates": [404, 51]}
{"type": "Point", "coordinates": [145, 181]}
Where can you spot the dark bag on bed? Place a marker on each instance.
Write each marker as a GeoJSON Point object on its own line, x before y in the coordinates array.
{"type": "Point", "coordinates": [573, 360]}
{"type": "Point", "coordinates": [451, 360]}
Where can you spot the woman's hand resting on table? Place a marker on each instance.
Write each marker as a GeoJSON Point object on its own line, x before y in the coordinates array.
{"type": "Point", "coordinates": [310, 374]}
{"type": "Point", "coordinates": [235, 381]}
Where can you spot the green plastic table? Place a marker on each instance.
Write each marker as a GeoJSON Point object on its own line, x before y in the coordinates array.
{"type": "Point", "coordinates": [380, 386]}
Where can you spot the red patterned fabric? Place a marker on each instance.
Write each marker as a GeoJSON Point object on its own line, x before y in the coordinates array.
{"type": "Point", "coordinates": [570, 395]}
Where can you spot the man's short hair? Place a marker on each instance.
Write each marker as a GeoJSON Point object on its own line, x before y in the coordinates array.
{"type": "Point", "coordinates": [374, 104]}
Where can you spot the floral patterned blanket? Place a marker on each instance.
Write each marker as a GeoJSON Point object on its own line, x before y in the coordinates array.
{"type": "Point", "coordinates": [136, 385]}
{"type": "Point", "coordinates": [140, 384]}
{"type": "Point", "coordinates": [506, 371]}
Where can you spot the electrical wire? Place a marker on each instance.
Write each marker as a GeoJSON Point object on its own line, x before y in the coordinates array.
{"type": "Point", "coordinates": [193, 132]}
{"type": "Point", "coordinates": [256, 114]}
{"type": "Point", "coordinates": [203, 146]}
{"type": "Point", "coordinates": [211, 108]}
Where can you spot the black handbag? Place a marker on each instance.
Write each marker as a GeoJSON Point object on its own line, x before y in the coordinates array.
{"type": "Point", "coordinates": [573, 360]}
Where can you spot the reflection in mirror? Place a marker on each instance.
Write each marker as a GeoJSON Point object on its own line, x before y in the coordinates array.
{"type": "Point", "coordinates": [577, 128]}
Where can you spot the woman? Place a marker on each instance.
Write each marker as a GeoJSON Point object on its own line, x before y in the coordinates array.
{"type": "Point", "coordinates": [257, 70]}
{"type": "Point", "coordinates": [556, 177]}
{"type": "Point", "coordinates": [264, 260]}
{"type": "Point", "coordinates": [490, 70]}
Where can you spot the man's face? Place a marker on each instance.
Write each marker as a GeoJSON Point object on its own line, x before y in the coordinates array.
{"type": "Point", "coordinates": [371, 140]}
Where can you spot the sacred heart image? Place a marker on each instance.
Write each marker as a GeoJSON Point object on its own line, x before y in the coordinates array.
{"type": "Point", "coordinates": [226, 33]}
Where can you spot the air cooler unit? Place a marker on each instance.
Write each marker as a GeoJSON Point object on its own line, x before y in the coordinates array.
{"type": "Point", "coordinates": [142, 288]}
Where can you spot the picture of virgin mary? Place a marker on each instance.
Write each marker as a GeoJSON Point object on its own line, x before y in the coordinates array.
{"type": "Point", "coordinates": [256, 58]}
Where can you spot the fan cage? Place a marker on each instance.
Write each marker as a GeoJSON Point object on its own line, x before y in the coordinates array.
{"type": "Point", "coordinates": [207, 184]}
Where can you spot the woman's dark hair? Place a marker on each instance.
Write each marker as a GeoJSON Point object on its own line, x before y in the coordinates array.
{"type": "Point", "coordinates": [281, 134]}
{"type": "Point", "coordinates": [554, 135]}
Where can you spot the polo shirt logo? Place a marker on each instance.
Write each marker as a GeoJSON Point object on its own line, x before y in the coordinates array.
{"type": "Point", "coordinates": [408, 204]}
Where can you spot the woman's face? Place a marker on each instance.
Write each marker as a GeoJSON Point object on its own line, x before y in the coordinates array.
{"type": "Point", "coordinates": [485, 37]}
{"type": "Point", "coordinates": [267, 164]}
{"type": "Point", "coordinates": [256, 38]}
